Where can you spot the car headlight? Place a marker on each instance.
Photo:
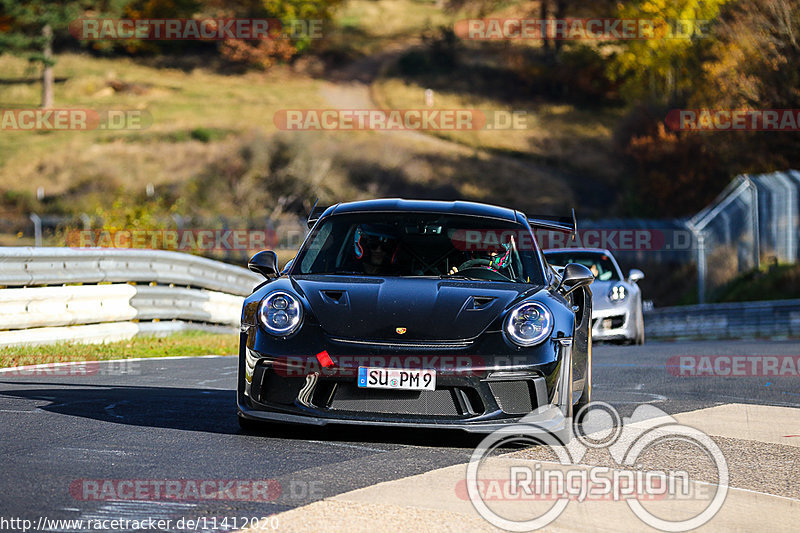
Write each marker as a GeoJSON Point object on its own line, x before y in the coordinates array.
{"type": "Point", "coordinates": [281, 313]}
{"type": "Point", "coordinates": [529, 323]}
{"type": "Point", "coordinates": [617, 293]}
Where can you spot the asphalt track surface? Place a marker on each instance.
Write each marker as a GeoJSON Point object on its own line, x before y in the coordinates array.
{"type": "Point", "coordinates": [175, 419]}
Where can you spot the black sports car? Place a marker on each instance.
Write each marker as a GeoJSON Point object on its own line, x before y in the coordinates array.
{"type": "Point", "coordinates": [417, 313]}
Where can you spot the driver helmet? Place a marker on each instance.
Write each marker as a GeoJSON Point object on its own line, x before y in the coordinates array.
{"type": "Point", "coordinates": [374, 236]}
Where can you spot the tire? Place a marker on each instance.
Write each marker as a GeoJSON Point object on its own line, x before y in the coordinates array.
{"type": "Point", "coordinates": [640, 326]}
{"type": "Point", "coordinates": [586, 395]}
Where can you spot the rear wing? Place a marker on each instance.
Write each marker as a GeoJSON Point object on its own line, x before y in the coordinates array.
{"type": "Point", "coordinates": [315, 213]}
{"type": "Point", "coordinates": [550, 223]}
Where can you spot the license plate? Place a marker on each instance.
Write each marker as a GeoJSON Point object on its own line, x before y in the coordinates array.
{"type": "Point", "coordinates": [396, 378]}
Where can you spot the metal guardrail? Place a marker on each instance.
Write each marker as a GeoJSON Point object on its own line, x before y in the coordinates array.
{"type": "Point", "coordinates": [30, 266]}
{"type": "Point", "coordinates": [53, 294]}
{"type": "Point", "coordinates": [778, 318]}
{"type": "Point", "coordinates": [189, 292]}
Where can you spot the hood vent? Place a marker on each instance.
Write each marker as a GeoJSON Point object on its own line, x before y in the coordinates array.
{"type": "Point", "coordinates": [482, 302]}
{"type": "Point", "coordinates": [334, 297]}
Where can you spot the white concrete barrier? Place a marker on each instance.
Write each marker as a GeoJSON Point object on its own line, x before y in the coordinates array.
{"type": "Point", "coordinates": [102, 295]}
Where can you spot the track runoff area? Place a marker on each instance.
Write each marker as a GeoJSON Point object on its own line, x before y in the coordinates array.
{"type": "Point", "coordinates": [690, 435]}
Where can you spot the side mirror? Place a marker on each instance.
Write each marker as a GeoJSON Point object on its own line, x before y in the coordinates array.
{"type": "Point", "coordinates": [574, 277]}
{"type": "Point", "coordinates": [265, 263]}
{"type": "Point", "coordinates": [635, 275]}
{"type": "Point", "coordinates": [287, 266]}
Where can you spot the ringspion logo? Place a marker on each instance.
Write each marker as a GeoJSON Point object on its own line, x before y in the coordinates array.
{"type": "Point", "coordinates": [537, 492]}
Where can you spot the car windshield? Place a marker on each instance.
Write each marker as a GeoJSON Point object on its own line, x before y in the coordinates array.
{"type": "Point", "coordinates": [421, 245]}
{"type": "Point", "coordinates": [599, 263]}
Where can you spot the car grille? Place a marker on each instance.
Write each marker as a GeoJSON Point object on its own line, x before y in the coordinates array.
{"type": "Point", "coordinates": [440, 402]}
{"type": "Point", "coordinates": [610, 322]}
{"type": "Point", "coordinates": [399, 345]}
{"type": "Point", "coordinates": [513, 397]}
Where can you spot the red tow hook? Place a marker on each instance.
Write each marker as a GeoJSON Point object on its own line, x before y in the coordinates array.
{"type": "Point", "coordinates": [325, 359]}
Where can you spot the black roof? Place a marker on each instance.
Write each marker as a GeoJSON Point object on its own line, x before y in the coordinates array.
{"type": "Point", "coordinates": [424, 206]}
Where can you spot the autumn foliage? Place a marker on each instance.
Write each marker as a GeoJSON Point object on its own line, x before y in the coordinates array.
{"type": "Point", "coordinates": [748, 60]}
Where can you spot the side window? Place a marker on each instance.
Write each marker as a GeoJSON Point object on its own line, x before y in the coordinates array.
{"type": "Point", "coordinates": [315, 246]}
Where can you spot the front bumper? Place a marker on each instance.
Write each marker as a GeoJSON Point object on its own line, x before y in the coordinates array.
{"type": "Point", "coordinates": [551, 421]}
{"type": "Point", "coordinates": [613, 323]}
{"type": "Point", "coordinates": [473, 393]}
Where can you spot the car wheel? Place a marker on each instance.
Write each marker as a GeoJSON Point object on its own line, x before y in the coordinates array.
{"type": "Point", "coordinates": [640, 328]}
{"type": "Point", "coordinates": [586, 395]}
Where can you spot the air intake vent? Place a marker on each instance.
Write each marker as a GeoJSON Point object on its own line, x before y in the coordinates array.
{"type": "Point", "coordinates": [482, 302]}
{"type": "Point", "coordinates": [513, 397]}
{"type": "Point", "coordinates": [334, 296]}
{"type": "Point", "coordinates": [438, 402]}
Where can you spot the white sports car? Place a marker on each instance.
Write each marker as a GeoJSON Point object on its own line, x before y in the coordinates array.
{"type": "Point", "coordinates": [616, 301]}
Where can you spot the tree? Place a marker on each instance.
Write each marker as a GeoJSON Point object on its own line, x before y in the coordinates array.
{"type": "Point", "coordinates": [755, 55]}
{"type": "Point", "coordinates": [546, 9]}
{"type": "Point", "coordinates": [32, 25]}
{"type": "Point", "coordinates": [753, 65]}
{"type": "Point", "coordinates": [665, 67]}
{"type": "Point", "coordinates": [266, 52]}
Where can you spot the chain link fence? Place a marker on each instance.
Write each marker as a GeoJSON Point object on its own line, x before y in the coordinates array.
{"type": "Point", "coordinates": [755, 219]}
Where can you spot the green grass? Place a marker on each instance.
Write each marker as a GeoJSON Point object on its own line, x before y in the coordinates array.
{"type": "Point", "coordinates": [190, 343]}
{"type": "Point", "coordinates": [194, 108]}
{"type": "Point", "coordinates": [773, 282]}
{"type": "Point", "coordinates": [391, 18]}
{"type": "Point", "coordinates": [563, 135]}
